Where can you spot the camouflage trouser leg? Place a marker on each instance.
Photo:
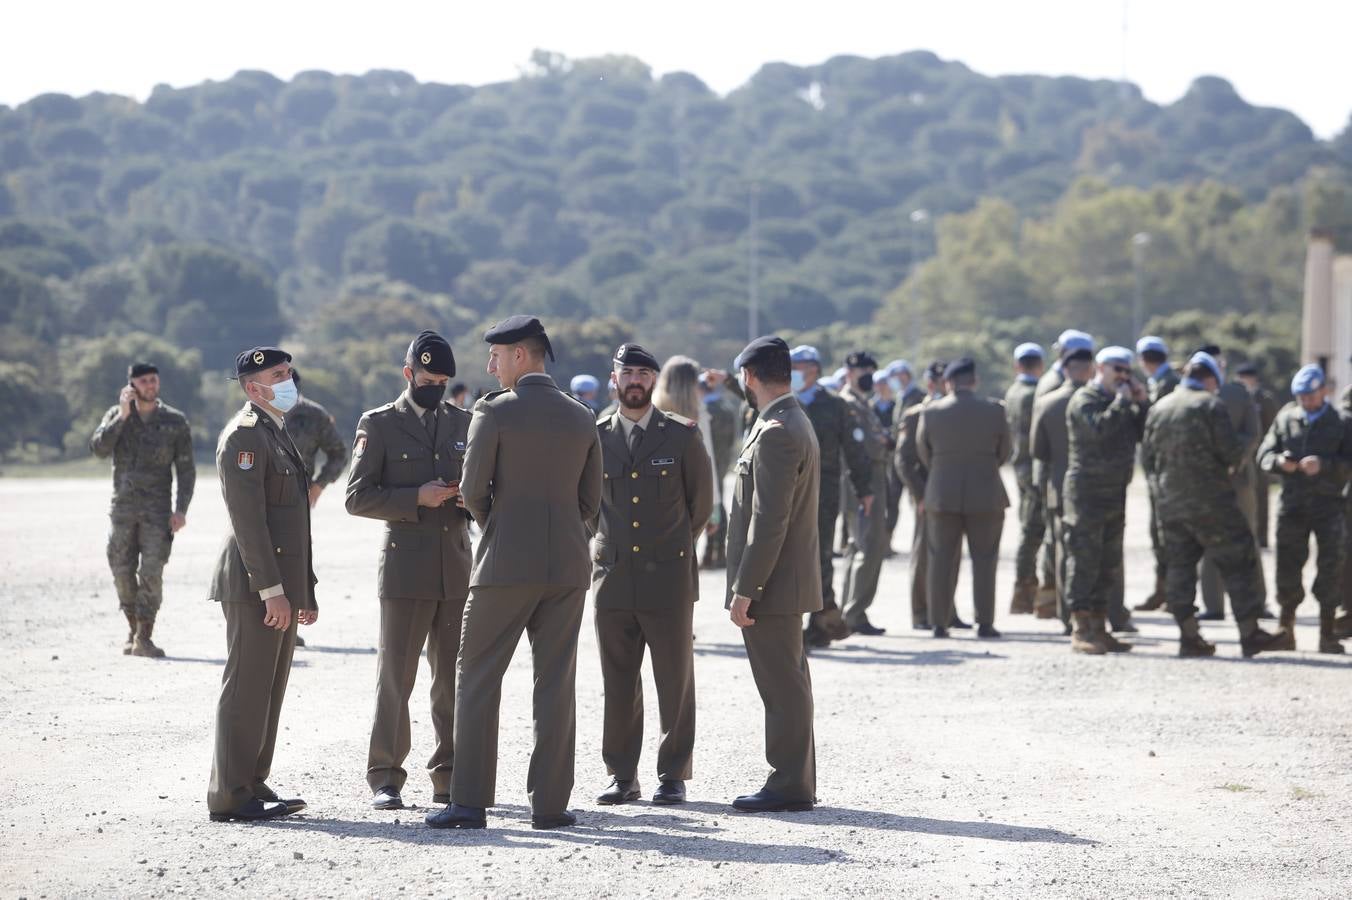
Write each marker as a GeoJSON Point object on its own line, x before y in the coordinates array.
{"type": "Point", "coordinates": [138, 548]}
{"type": "Point", "coordinates": [1093, 546]}
{"type": "Point", "coordinates": [1033, 519]}
{"type": "Point", "coordinates": [1229, 542]}
{"type": "Point", "coordinates": [1293, 549]}
{"type": "Point", "coordinates": [828, 507]}
{"type": "Point", "coordinates": [1052, 550]}
{"type": "Point", "coordinates": [1156, 537]}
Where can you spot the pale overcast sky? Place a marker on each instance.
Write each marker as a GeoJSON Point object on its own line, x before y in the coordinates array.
{"type": "Point", "coordinates": [1290, 54]}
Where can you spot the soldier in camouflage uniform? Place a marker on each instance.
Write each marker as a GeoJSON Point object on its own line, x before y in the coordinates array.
{"type": "Point", "coordinates": [312, 430]}
{"type": "Point", "coordinates": [1310, 446]}
{"type": "Point", "coordinates": [1267, 405]}
{"type": "Point", "coordinates": [723, 437]}
{"type": "Point", "coordinates": [149, 442]}
{"type": "Point", "coordinates": [868, 518]}
{"type": "Point", "coordinates": [1104, 418]}
{"type": "Point", "coordinates": [834, 423]}
{"type": "Point", "coordinates": [1190, 448]}
{"type": "Point", "coordinates": [1161, 379]}
{"type": "Point", "coordinates": [1029, 361]}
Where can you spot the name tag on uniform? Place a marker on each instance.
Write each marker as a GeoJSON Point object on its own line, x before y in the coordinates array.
{"type": "Point", "coordinates": [664, 462]}
{"type": "Point", "coordinates": [460, 445]}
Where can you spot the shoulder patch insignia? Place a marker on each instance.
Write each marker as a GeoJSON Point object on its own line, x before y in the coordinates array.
{"type": "Point", "coordinates": [360, 446]}
{"type": "Point", "coordinates": [245, 460]}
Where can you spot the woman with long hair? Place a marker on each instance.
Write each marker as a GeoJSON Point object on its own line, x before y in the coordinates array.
{"type": "Point", "coordinates": [677, 391]}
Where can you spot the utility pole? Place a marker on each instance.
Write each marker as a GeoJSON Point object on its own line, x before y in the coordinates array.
{"type": "Point", "coordinates": [753, 305]}
{"type": "Point", "coordinates": [918, 219]}
{"type": "Point", "coordinates": [1139, 242]}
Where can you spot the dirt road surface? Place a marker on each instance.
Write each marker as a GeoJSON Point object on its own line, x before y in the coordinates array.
{"type": "Point", "coordinates": [947, 768]}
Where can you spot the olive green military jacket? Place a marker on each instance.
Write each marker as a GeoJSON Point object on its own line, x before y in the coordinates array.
{"type": "Point", "coordinates": [1051, 441]}
{"type": "Point", "coordinates": [1189, 449]}
{"type": "Point", "coordinates": [963, 440]}
{"type": "Point", "coordinates": [722, 435]}
{"type": "Point", "coordinates": [424, 551]}
{"type": "Point", "coordinates": [1019, 414]}
{"type": "Point", "coordinates": [1162, 384]}
{"type": "Point", "coordinates": [1328, 437]}
{"type": "Point", "coordinates": [532, 480]}
{"type": "Point", "coordinates": [312, 430]}
{"type": "Point", "coordinates": [906, 458]}
{"type": "Point", "coordinates": [772, 545]}
{"type": "Point", "coordinates": [147, 455]}
{"type": "Point", "coordinates": [1244, 418]}
{"type": "Point", "coordinates": [839, 435]}
{"type": "Point", "coordinates": [654, 504]}
{"type": "Point", "coordinates": [1051, 379]}
{"type": "Point", "coordinates": [266, 495]}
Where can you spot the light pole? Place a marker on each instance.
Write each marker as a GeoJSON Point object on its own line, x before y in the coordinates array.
{"type": "Point", "coordinates": [918, 219]}
{"type": "Point", "coordinates": [1139, 242]}
{"type": "Point", "coordinates": [753, 304]}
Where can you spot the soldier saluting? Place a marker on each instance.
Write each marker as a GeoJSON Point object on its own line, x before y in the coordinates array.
{"type": "Point", "coordinates": [406, 466]}
{"type": "Point", "coordinates": [657, 496]}
{"type": "Point", "coordinates": [264, 581]}
{"type": "Point", "coordinates": [149, 442]}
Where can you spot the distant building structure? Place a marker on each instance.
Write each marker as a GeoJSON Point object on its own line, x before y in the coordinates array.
{"type": "Point", "coordinates": [1326, 326]}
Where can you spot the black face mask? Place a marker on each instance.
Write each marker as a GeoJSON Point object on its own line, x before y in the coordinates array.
{"type": "Point", "coordinates": [866, 383]}
{"type": "Point", "coordinates": [428, 396]}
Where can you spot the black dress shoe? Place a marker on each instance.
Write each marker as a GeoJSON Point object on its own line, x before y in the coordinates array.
{"type": "Point", "coordinates": [670, 791]}
{"type": "Point", "coordinates": [457, 816]}
{"type": "Point", "coordinates": [441, 799]}
{"type": "Point", "coordinates": [1211, 617]}
{"type": "Point", "coordinates": [268, 795]}
{"type": "Point", "coordinates": [959, 623]}
{"type": "Point", "coordinates": [620, 791]}
{"type": "Point", "coordinates": [1267, 614]}
{"type": "Point", "coordinates": [253, 811]}
{"type": "Point", "coordinates": [816, 638]}
{"type": "Point", "coordinates": [941, 632]}
{"type": "Point", "coordinates": [987, 631]}
{"type": "Point", "coordinates": [769, 801]}
{"type": "Point", "coordinates": [552, 820]}
{"type": "Point", "coordinates": [387, 798]}
{"type": "Point", "coordinates": [867, 629]}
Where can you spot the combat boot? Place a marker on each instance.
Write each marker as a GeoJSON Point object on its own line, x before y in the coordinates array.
{"type": "Point", "coordinates": [142, 645]}
{"type": "Point", "coordinates": [1085, 638]}
{"type": "Point", "coordinates": [1342, 626]}
{"type": "Point", "coordinates": [1191, 642]}
{"type": "Point", "coordinates": [1259, 641]}
{"type": "Point", "coordinates": [1328, 639]}
{"type": "Point", "coordinates": [1022, 602]}
{"type": "Point", "coordinates": [1112, 644]}
{"type": "Point", "coordinates": [131, 633]}
{"type": "Point", "coordinates": [1287, 629]}
{"type": "Point", "coordinates": [1044, 602]}
{"type": "Point", "coordinates": [1155, 600]}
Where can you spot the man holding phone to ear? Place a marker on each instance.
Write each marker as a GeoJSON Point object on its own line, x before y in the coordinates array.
{"type": "Point", "coordinates": [406, 464]}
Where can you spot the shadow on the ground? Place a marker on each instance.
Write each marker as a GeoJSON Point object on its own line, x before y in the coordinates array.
{"type": "Point", "coordinates": [295, 664]}
{"type": "Point", "coordinates": [870, 655]}
{"type": "Point", "coordinates": [317, 648]}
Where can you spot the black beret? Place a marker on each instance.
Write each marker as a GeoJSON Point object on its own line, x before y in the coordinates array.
{"type": "Point", "coordinates": [1247, 368]}
{"type": "Point", "coordinates": [1083, 353]}
{"type": "Point", "coordinates": [431, 351]}
{"type": "Point", "coordinates": [935, 370]}
{"type": "Point", "coordinates": [136, 370]}
{"type": "Point", "coordinates": [963, 365]}
{"type": "Point", "coordinates": [1211, 349]}
{"type": "Point", "coordinates": [517, 328]}
{"type": "Point", "coordinates": [860, 359]}
{"type": "Point", "coordinates": [258, 359]}
{"type": "Point", "coordinates": [634, 355]}
{"type": "Point", "coordinates": [764, 349]}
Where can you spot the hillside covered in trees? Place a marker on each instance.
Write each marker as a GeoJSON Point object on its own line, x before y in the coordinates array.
{"type": "Point", "coordinates": [907, 203]}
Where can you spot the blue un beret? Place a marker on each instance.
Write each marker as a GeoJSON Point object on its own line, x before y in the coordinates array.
{"type": "Point", "coordinates": [516, 329]}
{"type": "Point", "coordinates": [1308, 380]}
{"type": "Point", "coordinates": [805, 353]}
{"type": "Point", "coordinates": [1071, 339]}
{"type": "Point", "coordinates": [1202, 358]}
{"type": "Point", "coordinates": [1029, 349]}
{"type": "Point", "coordinates": [1118, 355]}
{"type": "Point", "coordinates": [257, 359]}
{"type": "Point", "coordinates": [1150, 343]}
{"type": "Point", "coordinates": [764, 349]}
{"type": "Point", "coordinates": [583, 383]}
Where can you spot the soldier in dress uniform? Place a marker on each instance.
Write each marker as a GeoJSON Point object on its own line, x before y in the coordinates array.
{"type": "Point", "coordinates": [406, 463]}
{"type": "Point", "coordinates": [533, 481]}
{"type": "Point", "coordinates": [264, 581]}
{"type": "Point", "coordinates": [658, 495]}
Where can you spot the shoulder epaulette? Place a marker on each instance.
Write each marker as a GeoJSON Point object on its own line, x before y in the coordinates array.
{"type": "Point", "coordinates": [379, 410]}
{"type": "Point", "coordinates": [248, 419]}
{"type": "Point", "coordinates": [681, 420]}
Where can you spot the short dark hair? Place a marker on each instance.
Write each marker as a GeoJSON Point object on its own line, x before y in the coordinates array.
{"type": "Point", "coordinates": [963, 379]}
{"type": "Point", "coordinates": [1199, 371]}
{"type": "Point", "coordinates": [1030, 361]}
{"type": "Point", "coordinates": [295, 375]}
{"type": "Point", "coordinates": [773, 369]}
{"type": "Point", "coordinates": [1154, 356]}
{"type": "Point", "coordinates": [535, 346]}
{"type": "Point", "coordinates": [458, 388]}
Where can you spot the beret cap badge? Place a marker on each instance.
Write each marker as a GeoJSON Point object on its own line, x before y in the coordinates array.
{"type": "Point", "coordinates": [426, 357]}
{"type": "Point", "coordinates": [258, 357]}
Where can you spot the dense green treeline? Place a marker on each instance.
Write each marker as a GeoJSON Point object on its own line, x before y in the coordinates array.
{"type": "Point", "coordinates": [907, 203]}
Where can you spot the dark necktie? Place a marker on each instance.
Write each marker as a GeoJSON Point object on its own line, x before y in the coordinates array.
{"type": "Point", "coordinates": [430, 423]}
{"type": "Point", "coordinates": [635, 438]}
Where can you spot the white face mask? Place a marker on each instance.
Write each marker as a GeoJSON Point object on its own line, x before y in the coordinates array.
{"type": "Point", "coordinates": [284, 395]}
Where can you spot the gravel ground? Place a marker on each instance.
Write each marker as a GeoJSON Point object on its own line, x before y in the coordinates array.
{"type": "Point", "coordinates": [945, 768]}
